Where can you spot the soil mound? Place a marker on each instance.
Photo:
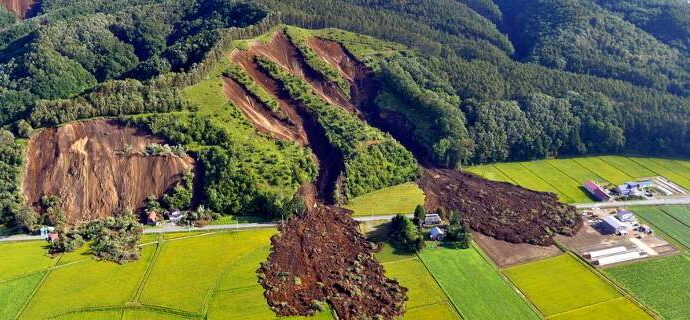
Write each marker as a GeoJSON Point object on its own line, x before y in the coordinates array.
{"type": "Point", "coordinates": [97, 168]}
{"type": "Point", "coordinates": [500, 210]}
{"type": "Point", "coordinates": [322, 257]}
{"type": "Point", "coordinates": [21, 8]}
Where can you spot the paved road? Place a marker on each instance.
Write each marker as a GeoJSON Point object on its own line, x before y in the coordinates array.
{"type": "Point", "coordinates": [241, 226]}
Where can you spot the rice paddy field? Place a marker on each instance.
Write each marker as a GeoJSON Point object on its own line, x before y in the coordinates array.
{"type": "Point", "coordinates": [672, 221]}
{"type": "Point", "coordinates": [660, 284]}
{"type": "Point", "coordinates": [565, 177]}
{"type": "Point", "coordinates": [477, 289]}
{"type": "Point", "coordinates": [402, 199]}
{"type": "Point", "coordinates": [179, 276]}
{"type": "Point", "coordinates": [426, 298]}
{"type": "Point", "coordinates": [563, 288]}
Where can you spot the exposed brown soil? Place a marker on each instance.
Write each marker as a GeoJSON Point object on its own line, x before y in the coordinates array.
{"type": "Point", "coordinates": [21, 8]}
{"type": "Point", "coordinates": [262, 119]}
{"type": "Point", "coordinates": [84, 165]}
{"type": "Point", "coordinates": [505, 254]}
{"type": "Point", "coordinates": [321, 256]}
{"type": "Point", "coordinates": [498, 209]}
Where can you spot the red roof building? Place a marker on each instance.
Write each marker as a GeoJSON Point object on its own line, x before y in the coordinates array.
{"type": "Point", "coordinates": [597, 191]}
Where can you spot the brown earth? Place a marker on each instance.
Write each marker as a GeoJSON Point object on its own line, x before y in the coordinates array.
{"type": "Point", "coordinates": [498, 209]}
{"type": "Point", "coordinates": [505, 254]}
{"type": "Point", "coordinates": [21, 8]}
{"type": "Point", "coordinates": [321, 256]}
{"type": "Point", "coordinates": [84, 165]}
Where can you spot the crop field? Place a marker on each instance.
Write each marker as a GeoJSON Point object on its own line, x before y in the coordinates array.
{"type": "Point", "coordinates": [187, 276]}
{"type": "Point", "coordinates": [563, 288]}
{"type": "Point", "coordinates": [565, 177]}
{"type": "Point", "coordinates": [402, 198]}
{"type": "Point", "coordinates": [660, 284]}
{"type": "Point", "coordinates": [426, 299]}
{"type": "Point", "coordinates": [669, 220]}
{"type": "Point", "coordinates": [476, 288]}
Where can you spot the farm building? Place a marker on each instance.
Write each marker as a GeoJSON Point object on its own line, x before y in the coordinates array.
{"type": "Point", "coordinates": [436, 234]}
{"type": "Point", "coordinates": [633, 187]}
{"type": "Point", "coordinates": [614, 225]}
{"type": "Point", "coordinates": [45, 230]}
{"type": "Point", "coordinates": [625, 216]}
{"type": "Point", "coordinates": [53, 237]}
{"type": "Point", "coordinates": [152, 219]}
{"type": "Point", "coordinates": [176, 216]}
{"type": "Point", "coordinates": [432, 219]}
{"type": "Point", "coordinates": [597, 191]}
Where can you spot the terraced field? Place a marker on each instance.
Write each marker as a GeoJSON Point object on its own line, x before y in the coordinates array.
{"type": "Point", "coordinates": [563, 288]}
{"type": "Point", "coordinates": [158, 286]}
{"type": "Point", "coordinates": [565, 177]}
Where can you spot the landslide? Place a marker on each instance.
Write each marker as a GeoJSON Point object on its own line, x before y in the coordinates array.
{"type": "Point", "coordinates": [321, 256]}
{"type": "Point", "coordinates": [21, 8]}
{"type": "Point", "coordinates": [501, 210]}
{"type": "Point", "coordinates": [87, 165]}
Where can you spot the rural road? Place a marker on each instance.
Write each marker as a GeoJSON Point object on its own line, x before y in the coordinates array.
{"type": "Point", "coordinates": [241, 226]}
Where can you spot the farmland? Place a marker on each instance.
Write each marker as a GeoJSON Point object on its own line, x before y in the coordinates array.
{"type": "Point", "coordinates": [557, 286]}
{"type": "Point", "coordinates": [660, 284]}
{"type": "Point", "coordinates": [474, 286]}
{"type": "Point", "coordinates": [426, 299]}
{"type": "Point", "coordinates": [672, 221]}
{"type": "Point", "coordinates": [157, 286]}
{"type": "Point", "coordinates": [402, 198]}
{"type": "Point", "coordinates": [565, 177]}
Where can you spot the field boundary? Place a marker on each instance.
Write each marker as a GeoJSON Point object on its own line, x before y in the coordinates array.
{"type": "Point", "coordinates": [671, 239]}
{"type": "Point", "coordinates": [507, 280]}
{"type": "Point", "coordinates": [149, 269]}
{"type": "Point", "coordinates": [550, 184]}
{"type": "Point", "coordinates": [33, 294]}
{"type": "Point", "coordinates": [616, 286]}
{"type": "Point", "coordinates": [445, 293]}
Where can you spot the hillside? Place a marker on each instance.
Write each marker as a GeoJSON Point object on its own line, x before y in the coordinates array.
{"type": "Point", "coordinates": [20, 8]}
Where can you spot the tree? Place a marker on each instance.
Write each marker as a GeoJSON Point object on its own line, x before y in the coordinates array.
{"type": "Point", "coordinates": [419, 215]}
{"type": "Point", "coordinates": [405, 234]}
{"type": "Point", "coordinates": [27, 219]}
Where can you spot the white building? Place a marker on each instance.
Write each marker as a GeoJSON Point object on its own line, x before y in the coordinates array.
{"type": "Point", "coordinates": [615, 225]}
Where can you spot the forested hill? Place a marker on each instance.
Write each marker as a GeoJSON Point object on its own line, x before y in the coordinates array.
{"type": "Point", "coordinates": [485, 80]}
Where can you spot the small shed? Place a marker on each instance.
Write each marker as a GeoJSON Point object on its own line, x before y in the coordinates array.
{"type": "Point", "coordinates": [176, 216]}
{"type": "Point", "coordinates": [45, 230]}
{"type": "Point", "coordinates": [53, 237]}
{"type": "Point", "coordinates": [432, 219]}
{"type": "Point", "coordinates": [625, 216]}
{"type": "Point", "coordinates": [436, 234]}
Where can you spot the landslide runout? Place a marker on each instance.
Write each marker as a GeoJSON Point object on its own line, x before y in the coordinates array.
{"type": "Point", "coordinates": [85, 164]}
{"type": "Point", "coordinates": [322, 257]}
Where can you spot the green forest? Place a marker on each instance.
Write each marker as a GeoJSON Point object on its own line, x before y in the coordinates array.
{"type": "Point", "coordinates": [479, 81]}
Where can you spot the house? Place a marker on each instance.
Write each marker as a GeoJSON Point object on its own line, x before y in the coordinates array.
{"type": "Point", "coordinates": [436, 234]}
{"type": "Point", "coordinates": [614, 225]}
{"type": "Point", "coordinates": [45, 230]}
{"type": "Point", "coordinates": [625, 216]}
{"type": "Point", "coordinates": [597, 191]}
{"type": "Point", "coordinates": [176, 216]}
{"type": "Point", "coordinates": [53, 237]}
{"type": "Point", "coordinates": [432, 219]}
{"type": "Point", "coordinates": [633, 187]}
{"type": "Point", "coordinates": [152, 219]}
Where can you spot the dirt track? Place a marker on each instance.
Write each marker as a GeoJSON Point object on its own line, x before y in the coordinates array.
{"type": "Point", "coordinates": [83, 163]}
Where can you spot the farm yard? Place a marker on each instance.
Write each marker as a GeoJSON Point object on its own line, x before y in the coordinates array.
{"type": "Point", "coordinates": [660, 284]}
{"type": "Point", "coordinates": [565, 177]}
{"type": "Point", "coordinates": [557, 287]}
{"type": "Point", "coordinates": [158, 286]}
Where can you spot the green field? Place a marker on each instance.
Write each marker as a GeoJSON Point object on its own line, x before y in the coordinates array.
{"type": "Point", "coordinates": [426, 299]}
{"type": "Point", "coordinates": [660, 284]}
{"type": "Point", "coordinates": [402, 198]}
{"type": "Point", "coordinates": [476, 288]}
{"type": "Point", "coordinates": [563, 288]}
{"type": "Point", "coordinates": [667, 223]}
{"type": "Point", "coordinates": [186, 275]}
{"type": "Point", "coordinates": [565, 177]}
